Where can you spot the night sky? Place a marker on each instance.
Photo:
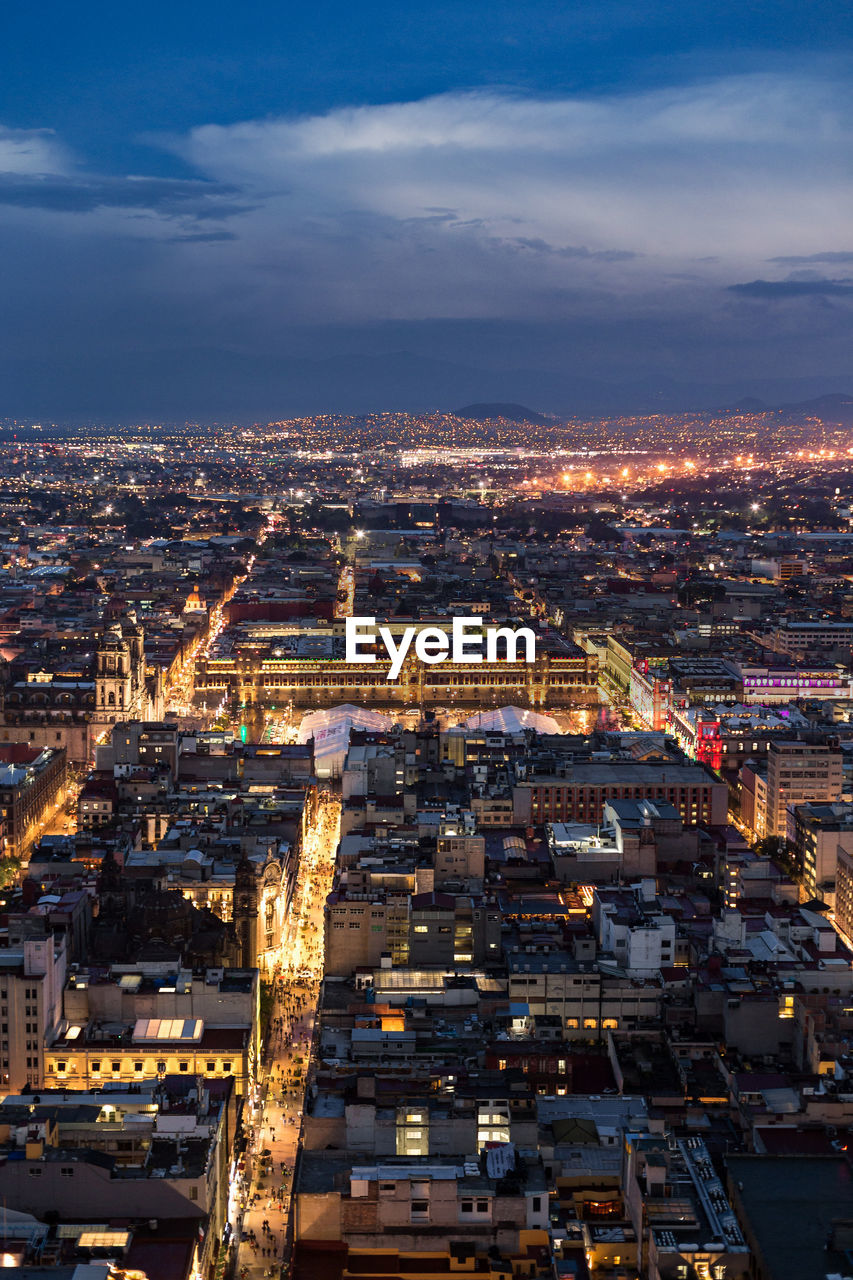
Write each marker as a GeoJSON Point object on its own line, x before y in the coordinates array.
{"type": "Point", "coordinates": [240, 211]}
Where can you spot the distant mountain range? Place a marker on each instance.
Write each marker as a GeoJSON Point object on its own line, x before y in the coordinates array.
{"type": "Point", "coordinates": [836, 407]}
{"type": "Point", "coordinates": [215, 384]}
{"type": "Point", "coordinates": [513, 412]}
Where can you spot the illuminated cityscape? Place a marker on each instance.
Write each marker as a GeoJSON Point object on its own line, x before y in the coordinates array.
{"type": "Point", "coordinates": [312, 958]}
{"type": "Point", "coordinates": [426, 641]}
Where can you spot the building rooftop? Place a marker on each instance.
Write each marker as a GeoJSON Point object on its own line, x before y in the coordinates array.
{"type": "Point", "coordinates": [790, 1207]}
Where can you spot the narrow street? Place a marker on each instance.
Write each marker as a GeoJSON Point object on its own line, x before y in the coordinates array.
{"type": "Point", "coordinates": [346, 592]}
{"type": "Point", "coordinates": [61, 819]}
{"type": "Point", "coordinates": [180, 693]}
{"type": "Point", "coordinates": [277, 1120]}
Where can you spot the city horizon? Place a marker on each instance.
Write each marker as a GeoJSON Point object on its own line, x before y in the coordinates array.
{"type": "Point", "coordinates": [426, 640]}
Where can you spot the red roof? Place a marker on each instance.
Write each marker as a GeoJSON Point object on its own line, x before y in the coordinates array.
{"type": "Point", "coordinates": [165, 1259]}
{"type": "Point", "coordinates": [18, 753]}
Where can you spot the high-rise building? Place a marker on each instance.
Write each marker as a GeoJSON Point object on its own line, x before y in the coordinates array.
{"type": "Point", "coordinates": [821, 831]}
{"type": "Point", "coordinates": [844, 890]}
{"type": "Point", "coordinates": [32, 976]}
{"type": "Point", "coordinates": [798, 772]}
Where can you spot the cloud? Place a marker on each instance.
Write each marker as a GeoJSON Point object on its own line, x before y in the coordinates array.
{"type": "Point", "coordinates": [740, 110]}
{"type": "Point", "coordinates": [204, 237]}
{"type": "Point", "coordinates": [80, 194]}
{"type": "Point", "coordinates": [621, 193]}
{"type": "Point", "coordinates": [793, 288]}
{"type": "Point", "coordinates": [826, 256]}
{"type": "Point", "coordinates": [31, 151]}
{"type": "Point", "coordinates": [607, 228]}
{"type": "Point", "coordinates": [575, 251]}
{"type": "Point", "coordinates": [476, 203]}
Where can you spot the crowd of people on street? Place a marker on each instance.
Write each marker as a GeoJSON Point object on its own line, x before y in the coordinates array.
{"type": "Point", "coordinates": [295, 990]}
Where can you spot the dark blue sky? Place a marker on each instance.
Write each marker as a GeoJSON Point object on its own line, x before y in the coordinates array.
{"type": "Point", "coordinates": [248, 211]}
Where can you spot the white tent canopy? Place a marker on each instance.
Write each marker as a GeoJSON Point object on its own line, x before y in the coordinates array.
{"type": "Point", "coordinates": [330, 730]}
{"type": "Point", "coordinates": [512, 720]}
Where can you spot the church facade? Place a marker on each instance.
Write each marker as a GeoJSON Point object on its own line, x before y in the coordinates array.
{"type": "Point", "coordinates": [51, 710]}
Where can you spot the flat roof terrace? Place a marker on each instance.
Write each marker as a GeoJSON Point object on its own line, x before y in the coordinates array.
{"type": "Point", "coordinates": [789, 1207]}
